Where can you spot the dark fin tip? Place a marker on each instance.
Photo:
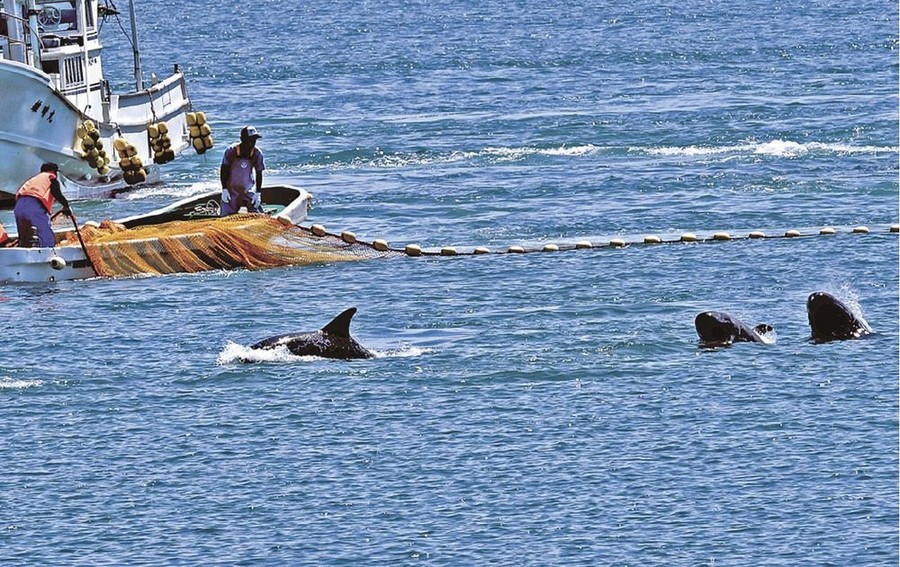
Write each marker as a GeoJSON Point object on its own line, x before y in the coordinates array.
{"type": "Point", "coordinates": [340, 325]}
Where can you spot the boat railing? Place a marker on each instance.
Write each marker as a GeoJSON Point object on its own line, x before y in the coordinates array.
{"type": "Point", "coordinates": [56, 27]}
{"type": "Point", "coordinates": [13, 40]}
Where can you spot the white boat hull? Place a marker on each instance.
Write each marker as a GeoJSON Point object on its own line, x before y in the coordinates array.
{"type": "Point", "coordinates": [38, 124]}
{"type": "Point", "coordinates": [36, 265]}
{"type": "Point", "coordinates": [52, 84]}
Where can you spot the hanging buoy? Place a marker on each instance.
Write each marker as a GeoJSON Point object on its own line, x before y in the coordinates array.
{"type": "Point", "coordinates": [130, 163]}
{"type": "Point", "coordinates": [92, 147]}
{"type": "Point", "coordinates": [199, 131]}
{"type": "Point", "coordinates": [160, 142]}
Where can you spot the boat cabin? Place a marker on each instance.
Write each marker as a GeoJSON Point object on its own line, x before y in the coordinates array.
{"type": "Point", "coordinates": [52, 85]}
{"type": "Point", "coordinates": [60, 38]}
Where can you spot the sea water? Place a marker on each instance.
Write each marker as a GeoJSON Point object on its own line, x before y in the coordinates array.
{"type": "Point", "coordinates": [524, 409]}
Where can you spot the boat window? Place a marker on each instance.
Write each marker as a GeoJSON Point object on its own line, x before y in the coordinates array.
{"type": "Point", "coordinates": [56, 16]}
{"type": "Point", "coordinates": [50, 66]}
{"type": "Point", "coordinates": [73, 72]}
{"type": "Point", "coordinates": [89, 13]}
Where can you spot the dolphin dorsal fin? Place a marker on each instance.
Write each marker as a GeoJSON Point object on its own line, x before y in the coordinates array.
{"type": "Point", "coordinates": [340, 325]}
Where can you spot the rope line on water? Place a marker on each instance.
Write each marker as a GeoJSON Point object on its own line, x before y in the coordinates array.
{"type": "Point", "coordinates": [414, 250]}
{"type": "Point", "coordinates": [258, 242]}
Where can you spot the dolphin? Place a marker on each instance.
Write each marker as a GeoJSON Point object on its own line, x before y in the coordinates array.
{"type": "Point", "coordinates": [717, 328]}
{"type": "Point", "coordinates": [331, 341]}
{"type": "Point", "coordinates": [831, 320]}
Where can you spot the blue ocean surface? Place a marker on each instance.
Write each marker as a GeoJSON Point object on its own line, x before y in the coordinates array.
{"type": "Point", "coordinates": [547, 408]}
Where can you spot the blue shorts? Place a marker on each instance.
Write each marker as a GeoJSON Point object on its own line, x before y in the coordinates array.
{"type": "Point", "coordinates": [30, 216]}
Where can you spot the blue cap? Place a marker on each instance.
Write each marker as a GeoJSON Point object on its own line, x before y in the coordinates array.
{"type": "Point", "coordinates": [249, 132]}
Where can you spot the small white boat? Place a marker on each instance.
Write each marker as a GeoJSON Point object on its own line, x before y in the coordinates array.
{"type": "Point", "coordinates": [56, 104]}
{"type": "Point", "coordinates": [68, 261]}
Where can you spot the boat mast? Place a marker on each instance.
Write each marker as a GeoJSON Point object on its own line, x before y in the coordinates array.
{"type": "Point", "coordinates": [82, 25]}
{"type": "Point", "coordinates": [138, 78]}
{"type": "Point", "coordinates": [35, 58]}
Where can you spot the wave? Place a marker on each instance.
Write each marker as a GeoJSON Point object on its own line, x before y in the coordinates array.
{"type": "Point", "coordinates": [382, 160]}
{"type": "Point", "coordinates": [379, 159]}
{"type": "Point", "coordinates": [171, 190]}
{"type": "Point", "coordinates": [9, 384]}
{"type": "Point", "coordinates": [773, 148]}
{"type": "Point", "coordinates": [403, 352]}
{"type": "Point", "coordinates": [496, 154]}
{"type": "Point", "coordinates": [233, 352]}
{"type": "Point", "coordinates": [564, 150]}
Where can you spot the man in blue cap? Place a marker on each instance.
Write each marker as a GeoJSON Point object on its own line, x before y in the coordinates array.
{"type": "Point", "coordinates": [240, 188]}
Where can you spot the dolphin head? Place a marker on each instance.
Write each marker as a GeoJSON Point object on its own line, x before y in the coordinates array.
{"type": "Point", "coordinates": [831, 319]}
{"type": "Point", "coordinates": [716, 328]}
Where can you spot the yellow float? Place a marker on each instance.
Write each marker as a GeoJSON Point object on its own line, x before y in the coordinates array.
{"type": "Point", "coordinates": [200, 131]}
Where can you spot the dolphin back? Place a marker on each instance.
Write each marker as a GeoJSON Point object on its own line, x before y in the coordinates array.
{"type": "Point", "coordinates": [272, 342]}
{"type": "Point", "coordinates": [331, 341]}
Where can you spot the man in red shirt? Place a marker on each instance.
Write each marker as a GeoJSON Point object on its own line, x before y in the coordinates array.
{"type": "Point", "coordinates": [34, 203]}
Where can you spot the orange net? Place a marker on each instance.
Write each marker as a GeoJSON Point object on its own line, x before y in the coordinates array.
{"type": "Point", "coordinates": [245, 240]}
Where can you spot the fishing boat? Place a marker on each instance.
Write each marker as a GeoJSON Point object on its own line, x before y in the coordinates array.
{"type": "Point", "coordinates": [56, 104]}
{"type": "Point", "coordinates": [286, 204]}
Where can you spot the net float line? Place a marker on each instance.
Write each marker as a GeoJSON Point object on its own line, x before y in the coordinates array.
{"type": "Point", "coordinates": [415, 250]}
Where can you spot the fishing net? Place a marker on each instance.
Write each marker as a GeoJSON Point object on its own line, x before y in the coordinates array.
{"type": "Point", "coordinates": [238, 241]}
